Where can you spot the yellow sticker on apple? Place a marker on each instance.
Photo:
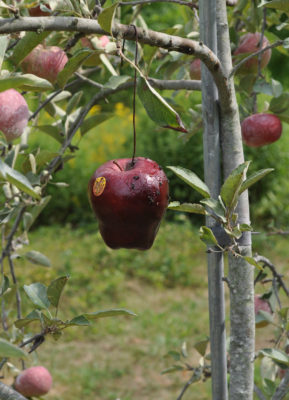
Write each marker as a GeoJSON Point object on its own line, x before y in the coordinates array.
{"type": "Point", "coordinates": [99, 185]}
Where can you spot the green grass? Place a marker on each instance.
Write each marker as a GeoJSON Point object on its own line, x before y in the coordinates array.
{"type": "Point", "coordinates": [122, 357]}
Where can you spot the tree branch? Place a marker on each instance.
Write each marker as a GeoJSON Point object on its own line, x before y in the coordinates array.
{"type": "Point", "coordinates": [137, 2]}
{"type": "Point", "coordinates": [266, 262]}
{"type": "Point", "coordinates": [283, 388]}
{"type": "Point", "coordinates": [259, 393]}
{"type": "Point", "coordinates": [152, 38]}
{"type": "Point", "coordinates": [8, 393]}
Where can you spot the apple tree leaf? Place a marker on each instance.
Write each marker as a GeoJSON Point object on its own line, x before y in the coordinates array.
{"type": "Point", "coordinates": [157, 108]}
{"type": "Point", "coordinates": [37, 293]}
{"type": "Point", "coordinates": [35, 211]}
{"type": "Point", "coordinates": [35, 315]}
{"type": "Point", "coordinates": [115, 81]}
{"type": "Point", "coordinates": [279, 105]}
{"type": "Point", "coordinates": [187, 207]}
{"type": "Point", "coordinates": [91, 122]}
{"type": "Point", "coordinates": [35, 257]}
{"type": "Point", "coordinates": [55, 290]}
{"type": "Point", "coordinates": [231, 186]}
{"type": "Point", "coordinates": [253, 262]}
{"type": "Point", "coordinates": [72, 66]}
{"type": "Point", "coordinates": [202, 346]}
{"type": "Point", "coordinates": [282, 5]}
{"type": "Point", "coordinates": [26, 45]}
{"type": "Point", "coordinates": [27, 82]}
{"type": "Point", "coordinates": [16, 178]}
{"type": "Point", "coordinates": [174, 368]}
{"type": "Point", "coordinates": [254, 178]}
{"type": "Point", "coordinates": [8, 349]}
{"type": "Point", "coordinates": [108, 313]}
{"type": "Point", "coordinates": [191, 179]}
{"type": "Point", "coordinates": [3, 45]}
{"type": "Point", "coordinates": [278, 356]}
{"type": "Point", "coordinates": [105, 18]}
{"type": "Point", "coordinates": [207, 236]}
{"type": "Point", "coordinates": [80, 320]}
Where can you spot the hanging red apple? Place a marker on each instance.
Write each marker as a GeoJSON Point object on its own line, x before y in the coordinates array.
{"type": "Point", "coordinates": [129, 200]}
{"type": "Point", "coordinates": [37, 12]}
{"type": "Point", "coordinates": [14, 114]}
{"type": "Point", "coordinates": [33, 381]}
{"type": "Point", "coordinates": [45, 62]}
{"type": "Point", "coordinates": [249, 43]}
{"type": "Point", "coordinates": [261, 129]}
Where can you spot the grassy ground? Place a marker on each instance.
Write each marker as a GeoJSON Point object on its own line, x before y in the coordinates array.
{"type": "Point", "coordinates": [122, 357]}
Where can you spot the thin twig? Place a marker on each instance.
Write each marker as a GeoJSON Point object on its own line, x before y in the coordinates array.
{"type": "Point", "coordinates": [9, 239]}
{"type": "Point", "coordinates": [187, 385]}
{"type": "Point", "coordinates": [266, 262]}
{"type": "Point", "coordinates": [259, 393]}
{"type": "Point", "coordinates": [271, 46]}
{"type": "Point", "coordinates": [14, 280]}
{"type": "Point", "coordinates": [87, 80]}
{"type": "Point", "coordinates": [283, 388]}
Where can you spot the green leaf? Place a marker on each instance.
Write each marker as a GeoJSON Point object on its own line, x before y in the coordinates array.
{"type": "Point", "coordinates": [108, 313]}
{"type": "Point", "coordinates": [115, 81]}
{"type": "Point", "coordinates": [175, 355]}
{"type": "Point", "coordinates": [5, 285]}
{"type": "Point", "coordinates": [35, 257]}
{"type": "Point", "coordinates": [72, 66]}
{"type": "Point", "coordinates": [35, 315]}
{"type": "Point", "coordinates": [216, 206]}
{"type": "Point", "coordinates": [207, 236]}
{"type": "Point", "coordinates": [192, 180]}
{"type": "Point", "coordinates": [80, 320]}
{"type": "Point", "coordinates": [230, 188]}
{"type": "Point", "coordinates": [254, 178]}
{"type": "Point", "coordinates": [37, 293]}
{"type": "Point", "coordinates": [278, 356]}
{"type": "Point", "coordinates": [55, 290]}
{"type": "Point", "coordinates": [35, 211]}
{"type": "Point", "coordinates": [174, 368]}
{"type": "Point", "coordinates": [279, 105]}
{"type": "Point", "coordinates": [26, 45]}
{"type": "Point", "coordinates": [8, 349]}
{"type": "Point", "coordinates": [263, 316]}
{"type": "Point", "coordinates": [201, 347]}
{"type": "Point", "coordinates": [24, 82]}
{"type": "Point", "coordinates": [92, 122]}
{"type": "Point", "coordinates": [74, 101]}
{"type": "Point", "coordinates": [20, 181]}
{"type": "Point", "coordinates": [105, 18]}
{"type": "Point", "coordinates": [4, 40]}
{"type": "Point", "coordinates": [252, 261]}
{"type": "Point", "coordinates": [282, 5]}
{"type": "Point", "coordinates": [157, 108]}
{"type": "Point", "coordinates": [187, 207]}
{"type": "Point", "coordinates": [52, 131]}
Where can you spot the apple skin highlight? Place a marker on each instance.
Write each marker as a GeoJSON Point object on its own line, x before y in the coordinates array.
{"type": "Point", "coordinates": [129, 201]}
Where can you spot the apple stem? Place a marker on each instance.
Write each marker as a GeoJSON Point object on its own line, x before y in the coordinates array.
{"type": "Point", "coordinates": [116, 163]}
{"type": "Point", "coordinates": [134, 96]}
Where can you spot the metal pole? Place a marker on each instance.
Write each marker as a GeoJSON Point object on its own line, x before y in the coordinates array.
{"type": "Point", "coordinates": [212, 169]}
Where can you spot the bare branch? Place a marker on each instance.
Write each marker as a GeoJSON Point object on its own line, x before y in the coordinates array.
{"type": "Point", "coordinates": [266, 262]}
{"type": "Point", "coordinates": [271, 46]}
{"type": "Point", "coordinates": [8, 393]}
{"type": "Point", "coordinates": [259, 393]}
{"type": "Point", "coordinates": [137, 2]}
{"type": "Point", "coordinates": [283, 388]}
{"type": "Point", "coordinates": [153, 38]}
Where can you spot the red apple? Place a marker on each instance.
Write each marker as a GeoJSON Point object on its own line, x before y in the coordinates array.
{"type": "Point", "coordinates": [45, 62]}
{"type": "Point", "coordinates": [195, 69]}
{"type": "Point", "coordinates": [102, 42]}
{"type": "Point", "coordinates": [34, 381]}
{"type": "Point", "coordinates": [249, 43]}
{"type": "Point", "coordinates": [261, 305]}
{"type": "Point", "coordinates": [37, 12]}
{"type": "Point", "coordinates": [261, 129]}
{"type": "Point", "coordinates": [129, 201]}
{"type": "Point", "coordinates": [14, 114]}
